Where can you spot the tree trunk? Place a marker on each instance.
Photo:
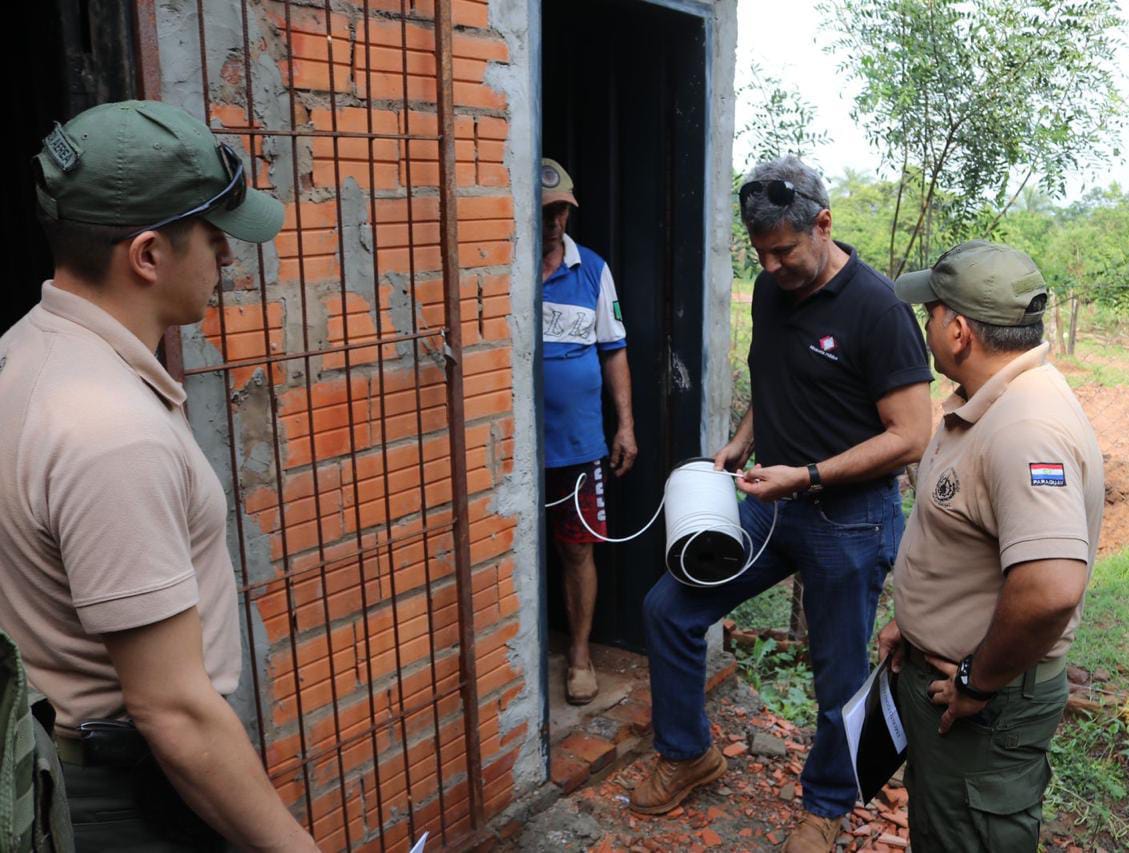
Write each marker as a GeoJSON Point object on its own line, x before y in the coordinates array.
{"type": "Point", "coordinates": [1060, 339]}
{"type": "Point", "coordinates": [1074, 306]}
{"type": "Point", "coordinates": [797, 624]}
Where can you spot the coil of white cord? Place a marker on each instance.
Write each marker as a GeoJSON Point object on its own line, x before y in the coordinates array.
{"type": "Point", "coordinates": [719, 515]}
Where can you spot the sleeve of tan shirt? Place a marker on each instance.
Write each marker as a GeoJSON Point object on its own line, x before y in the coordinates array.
{"type": "Point", "coordinates": [119, 511]}
{"type": "Point", "coordinates": [1034, 482]}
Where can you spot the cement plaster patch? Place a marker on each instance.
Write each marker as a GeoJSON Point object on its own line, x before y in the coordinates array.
{"type": "Point", "coordinates": [519, 496]}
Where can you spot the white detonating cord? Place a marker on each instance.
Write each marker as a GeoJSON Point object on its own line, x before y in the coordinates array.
{"type": "Point", "coordinates": [712, 520]}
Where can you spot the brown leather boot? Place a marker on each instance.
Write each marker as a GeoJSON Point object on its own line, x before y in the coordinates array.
{"type": "Point", "coordinates": [814, 835]}
{"type": "Point", "coordinates": [672, 781]}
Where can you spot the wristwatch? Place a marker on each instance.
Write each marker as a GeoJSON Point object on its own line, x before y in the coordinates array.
{"type": "Point", "coordinates": [963, 680]}
{"type": "Point", "coordinates": [816, 484]}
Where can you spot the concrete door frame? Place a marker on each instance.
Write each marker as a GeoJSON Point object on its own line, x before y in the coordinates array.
{"type": "Point", "coordinates": [710, 429]}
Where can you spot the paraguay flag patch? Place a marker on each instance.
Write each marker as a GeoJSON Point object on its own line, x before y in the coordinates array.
{"type": "Point", "coordinates": [1047, 474]}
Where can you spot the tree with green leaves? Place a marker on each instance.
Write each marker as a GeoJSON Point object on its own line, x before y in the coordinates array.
{"type": "Point", "coordinates": [782, 122]}
{"type": "Point", "coordinates": [1086, 259]}
{"type": "Point", "coordinates": [969, 103]}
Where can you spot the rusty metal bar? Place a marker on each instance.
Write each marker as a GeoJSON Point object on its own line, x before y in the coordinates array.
{"type": "Point", "coordinates": [389, 543]}
{"type": "Point", "coordinates": [381, 404]}
{"type": "Point", "coordinates": [254, 361]}
{"type": "Point", "coordinates": [433, 699]}
{"type": "Point", "coordinates": [348, 403]}
{"type": "Point", "coordinates": [456, 427]}
{"type": "Point", "coordinates": [279, 488]}
{"type": "Point", "coordinates": [383, 431]}
{"type": "Point", "coordinates": [419, 415]}
{"type": "Point", "coordinates": [342, 562]}
{"type": "Point", "coordinates": [337, 134]}
{"type": "Point", "coordinates": [146, 49]}
{"type": "Point", "coordinates": [291, 612]}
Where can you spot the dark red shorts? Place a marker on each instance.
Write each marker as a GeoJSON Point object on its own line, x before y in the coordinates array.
{"type": "Point", "coordinates": [560, 483]}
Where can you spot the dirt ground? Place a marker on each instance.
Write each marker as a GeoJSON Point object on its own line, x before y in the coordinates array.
{"type": "Point", "coordinates": [1108, 411]}
{"type": "Point", "coordinates": [752, 808]}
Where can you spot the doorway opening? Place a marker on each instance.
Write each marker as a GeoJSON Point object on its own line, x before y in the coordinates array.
{"type": "Point", "coordinates": [81, 55]}
{"type": "Point", "coordinates": [624, 110]}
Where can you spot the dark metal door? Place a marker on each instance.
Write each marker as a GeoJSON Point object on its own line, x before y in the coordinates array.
{"type": "Point", "coordinates": [624, 105]}
{"type": "Point", "coordinates": [80, 55]}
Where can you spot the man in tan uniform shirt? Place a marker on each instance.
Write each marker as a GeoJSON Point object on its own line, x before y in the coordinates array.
{"type": "Point", "coordinates": [117, 584]}
{"type": "Point", "coordinates": [990, 576]}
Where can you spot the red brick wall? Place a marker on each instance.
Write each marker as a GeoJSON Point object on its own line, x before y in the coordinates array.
{"type": "Point", "coordinates": [339, 684]}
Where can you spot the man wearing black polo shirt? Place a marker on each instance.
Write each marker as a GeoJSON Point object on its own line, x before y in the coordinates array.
{"type": "Point", "coordinates": [840, 383]}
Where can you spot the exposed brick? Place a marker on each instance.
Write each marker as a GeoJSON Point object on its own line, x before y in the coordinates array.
{"type": "Point", "coordinates": [566, 771]}
{"type": "Point", "coordinates": [468, 13]}
{"type": "Point", "coordinates": [379, 444]}
{"type": "Point", "coordinates": [596, 751]}
{"type": "Point", "coordinates": [721, 676]}
{"type": "Point", "coordinates": [637, 714]}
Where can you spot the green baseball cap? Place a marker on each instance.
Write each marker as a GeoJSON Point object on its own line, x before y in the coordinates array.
{"type": "Point", "coordinates": [146, 164]}
{"type": "Point", "coordinates": [556, 185]}
{"type": "Point", "coordinates": [989, 282]}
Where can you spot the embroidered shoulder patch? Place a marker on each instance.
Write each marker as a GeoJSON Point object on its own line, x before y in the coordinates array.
{"type": "Point", "coordinates": [1047, 474]}
{"type": "Point", "coordinates": [615, 310]}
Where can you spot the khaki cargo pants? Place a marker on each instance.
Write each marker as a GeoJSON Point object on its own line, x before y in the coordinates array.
{"type": "Point", "coordinates": [980, 787]}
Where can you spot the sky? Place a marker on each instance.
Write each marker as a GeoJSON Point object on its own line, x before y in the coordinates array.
{"type": "Point", "coordinates": [793, 52]}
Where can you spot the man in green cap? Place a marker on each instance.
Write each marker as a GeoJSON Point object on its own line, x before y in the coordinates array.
{"type": "Point", "coordinates": [118, 587]}
{"type": "Point", "coordinates": [990, 576]}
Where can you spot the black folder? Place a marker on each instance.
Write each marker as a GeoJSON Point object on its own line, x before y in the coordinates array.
{"type": "Point", "coordinates": [874, 730]}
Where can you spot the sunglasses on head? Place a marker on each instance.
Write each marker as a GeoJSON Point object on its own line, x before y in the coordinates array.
{"type": "Point", "coordinates": [780, 193]}
{"type": "Point", "coordinates": [229, 198]}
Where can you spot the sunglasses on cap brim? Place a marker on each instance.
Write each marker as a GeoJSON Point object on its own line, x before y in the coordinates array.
{"type": "Point", "coordinates": [229, 198]}
{"type": "Point", "coordinates": [780, 193]}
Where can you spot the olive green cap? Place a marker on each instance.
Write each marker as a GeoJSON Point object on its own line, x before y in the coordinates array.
{"type": "Point", "coordinates": [134, 163]}
{"type": "Point", "coordinates": [556, 185]}
{"type": "Point", "coordinates": [989, 282]}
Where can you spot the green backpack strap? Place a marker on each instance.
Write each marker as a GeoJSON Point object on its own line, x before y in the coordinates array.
{"type": "Point", "coordinates": [33, 807]}
{"type": "Point", "coordinates": [17, 753]}
{"type": "Point", "coordinates": [53, 831]}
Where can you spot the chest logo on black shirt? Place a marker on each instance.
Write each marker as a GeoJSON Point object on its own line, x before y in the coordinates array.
{"type": "Point", "coordinates": [826, 348]}
{"type": "Point", "coordinates": [947, 488]}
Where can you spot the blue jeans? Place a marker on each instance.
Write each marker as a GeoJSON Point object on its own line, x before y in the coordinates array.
{"type": "Point", "coordinates": [842, 545]}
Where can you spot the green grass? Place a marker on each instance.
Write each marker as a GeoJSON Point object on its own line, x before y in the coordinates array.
{"type": "Point", "coordinates": [771, 609]}
{"type": "Point", "coordinates": [1101, 349]}
{"type": "Point", "coordinates": [1102, 640]}
{"type": "Point", "coordinates": [1090, 754]}
{"type": "Point", "coordinates": [743, 285]}
{"type": "Point", "coordinates": [782, 678]}
{"type": "Point", "coordinates": [1088, 790]}
{"type": "Point", "coordinates": [1079, 372]}
{"type": "Point", "coordinates": [740, 335]}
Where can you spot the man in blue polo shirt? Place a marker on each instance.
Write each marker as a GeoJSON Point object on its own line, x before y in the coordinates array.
{"type": "Point", "coordinates": [840, 391]}
{"type": "Point", "coordinates": [584, 347]}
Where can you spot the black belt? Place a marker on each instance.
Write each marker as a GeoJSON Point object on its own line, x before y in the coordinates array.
{"type": "Point", "coordinates": [1040, 672]}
